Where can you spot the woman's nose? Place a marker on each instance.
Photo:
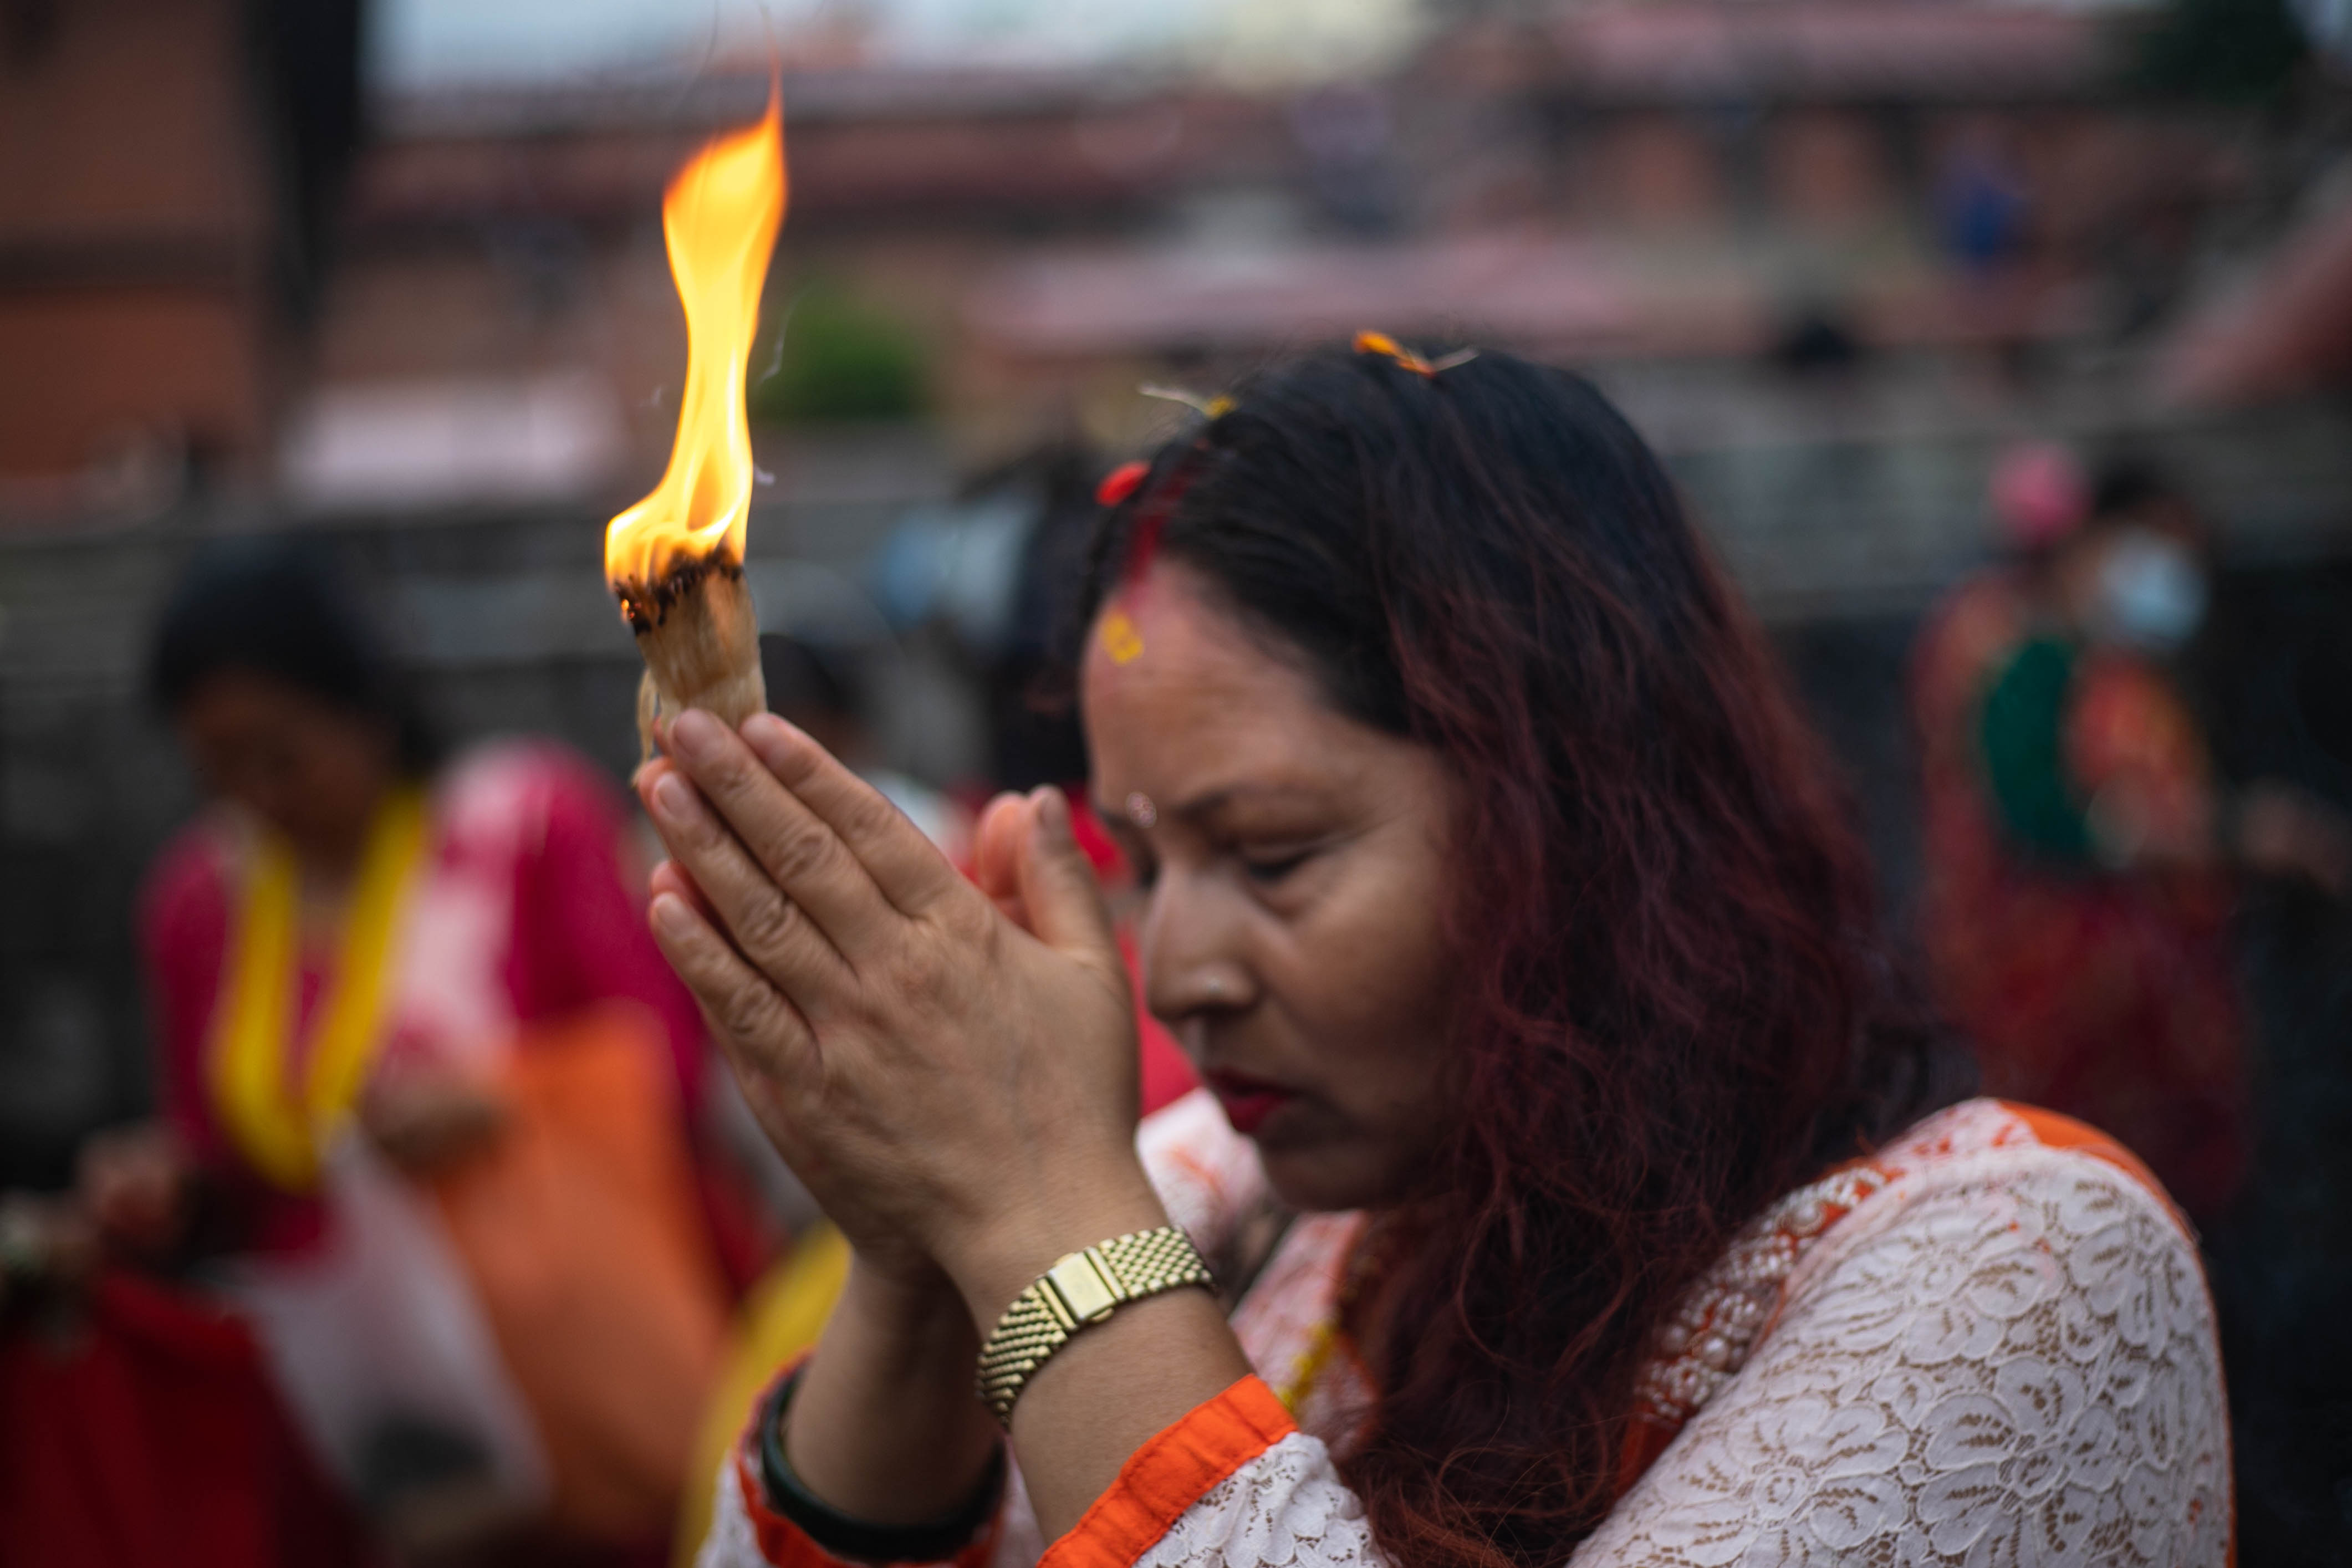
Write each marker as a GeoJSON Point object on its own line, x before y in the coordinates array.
{"type": "Point", "coordinates": [1190, 953]}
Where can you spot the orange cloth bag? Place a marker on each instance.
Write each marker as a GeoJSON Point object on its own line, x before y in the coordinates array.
{"type": "Point", "coordinates": [581, 1231]}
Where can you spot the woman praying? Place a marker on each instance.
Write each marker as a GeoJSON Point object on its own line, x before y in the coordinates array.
{"type": "Point", "coordinates": [1569, 1183]}
{"type": "Point", "coordinates": [423, 1075]}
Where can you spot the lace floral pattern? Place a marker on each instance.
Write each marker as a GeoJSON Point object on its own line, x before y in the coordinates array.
{"type": "Point", "coordinates": [1709, 1338]}
{"type": "Point", "coordinates": [1283, 1508]}
{"type": "Point", "coordinates": [2019, 1371]}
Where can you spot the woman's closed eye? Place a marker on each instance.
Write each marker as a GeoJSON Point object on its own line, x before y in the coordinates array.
{"type": "Point", "coordinates": [1270, 867]}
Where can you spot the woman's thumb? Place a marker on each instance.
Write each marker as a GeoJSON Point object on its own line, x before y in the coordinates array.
{"type": "Point", "coordinates": [1057, 881]}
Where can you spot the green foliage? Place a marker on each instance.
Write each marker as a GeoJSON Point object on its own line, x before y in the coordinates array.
{"type": "Point", "coordinates": [2241, 52]}
{"type": "Point", "coordinates": [840, 361]}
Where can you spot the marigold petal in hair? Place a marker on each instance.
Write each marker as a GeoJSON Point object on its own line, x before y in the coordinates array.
{"type": "Point", "coordinates": [1387, 347]}
{"type": "Point", "coordinates": [1215, 407]}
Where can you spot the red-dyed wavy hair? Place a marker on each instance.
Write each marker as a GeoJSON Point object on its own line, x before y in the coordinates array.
{"type": "Point", "coordinates": [1677, 1001]}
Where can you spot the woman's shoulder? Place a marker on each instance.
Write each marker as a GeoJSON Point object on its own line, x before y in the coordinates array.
{"type": "Point", "coordinates": [1982, 1139]}
{"type": "Point", "coordinates": [1991, 1174]}
{"type": "Point", "coordinates": [2022, 1293]}
{"type": "Point", "coordinates": [515, 789]}
{"type": "Point", "coordinates": [2002, 1347]}
{"type": "Point", "coordinates": [187, 886]}
{"type": "Point", "coordinates": [508, 765]}
{"type": "Point", "coordinates": [1962, 1202]}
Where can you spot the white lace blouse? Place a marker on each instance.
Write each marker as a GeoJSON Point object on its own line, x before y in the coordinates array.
{"type": "Point", "coordinates": [1990, 1344]}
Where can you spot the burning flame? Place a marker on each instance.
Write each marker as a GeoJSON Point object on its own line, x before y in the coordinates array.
{"type": "Point", "coordinates": [719, 218]}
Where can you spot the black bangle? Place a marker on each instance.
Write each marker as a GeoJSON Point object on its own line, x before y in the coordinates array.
{"type": "Point", "coordinates": [844, 1535]}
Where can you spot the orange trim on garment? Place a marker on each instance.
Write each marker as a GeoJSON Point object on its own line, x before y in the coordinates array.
{"type": "Point", "coordinates": [784, 1544]}
{"type": "Point", "coordinates": [1171, 1472]}
{"type": "Point", "coordinates": [2052, 1130]}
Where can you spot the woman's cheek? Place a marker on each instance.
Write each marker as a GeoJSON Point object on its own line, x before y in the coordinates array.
{"type": "Point", "coordinates": [1379, 997]}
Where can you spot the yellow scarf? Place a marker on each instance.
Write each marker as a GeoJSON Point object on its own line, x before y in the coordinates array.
{"type": "Point", "coordinates": [281, 1134]}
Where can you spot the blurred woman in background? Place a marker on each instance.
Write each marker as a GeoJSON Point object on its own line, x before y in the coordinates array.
{"type": "Point", "coordinates": [425, 1087]}
{"type": "Point", "coordinates": [2082, 852]}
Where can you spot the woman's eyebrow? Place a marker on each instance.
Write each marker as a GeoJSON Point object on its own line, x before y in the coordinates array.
{"type": "Point", "coordinates": [1202, 807]}
{"type": "Point", "coordinates": [1118, 817]}
{"type": "Point", "coordinates": [1211, 801]}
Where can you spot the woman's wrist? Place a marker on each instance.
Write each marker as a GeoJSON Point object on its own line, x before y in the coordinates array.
{"type": "Point", "coordinates": [999, 1259]}
{"type": "Point", "coordinates": [846, 1534]}
{"type": "Point", "coordinates": [884, 1425]}
{"type": "Point", "coordinates": [913, 1302]}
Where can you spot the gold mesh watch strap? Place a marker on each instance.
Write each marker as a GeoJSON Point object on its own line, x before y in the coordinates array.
{"type": "Point", "coordinates": [1084, 1287]}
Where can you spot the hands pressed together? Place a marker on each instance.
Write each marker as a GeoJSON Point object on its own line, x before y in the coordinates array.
{"type": "Point", "coordinates": [951, 1068]}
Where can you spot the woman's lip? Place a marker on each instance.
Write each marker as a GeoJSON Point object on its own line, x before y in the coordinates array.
{"type": "Point", "coordinates": [1248, 1101]}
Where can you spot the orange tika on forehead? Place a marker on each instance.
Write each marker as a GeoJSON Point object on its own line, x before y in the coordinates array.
{"type": "Point", "coordinates": [1119, 635]}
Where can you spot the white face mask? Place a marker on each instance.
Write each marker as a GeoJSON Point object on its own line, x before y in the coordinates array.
{"type": "Point", "coordinates": [2150, 595]}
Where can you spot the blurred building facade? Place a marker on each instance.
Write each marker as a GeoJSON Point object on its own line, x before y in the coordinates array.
{"type": "Point", "coordinates": [166, 171]}
{"type": "Point", "coordinates": [1619, 182]}
{"type": "Point", "coordinates": [1774, 231]}
{"type": "Point", "coordinates": [1764, 226]}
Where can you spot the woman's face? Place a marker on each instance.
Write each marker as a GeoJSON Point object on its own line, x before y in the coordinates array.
{"type": "Point", "coordinates": [312, 770]}
{"type": "Point", "coordinates": [1292, 863]}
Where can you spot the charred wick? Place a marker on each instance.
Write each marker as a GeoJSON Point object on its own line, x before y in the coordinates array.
{"type": "Point", "coordinates": [647, 607]}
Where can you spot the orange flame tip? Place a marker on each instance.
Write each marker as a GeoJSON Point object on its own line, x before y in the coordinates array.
{"type": "Point", "coordinates": [719, 218]}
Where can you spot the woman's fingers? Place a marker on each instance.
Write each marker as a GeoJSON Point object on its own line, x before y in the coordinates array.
{"type": "Point", "coordinates": [756, 1023]}
{"type": "Point", "coordinates": [768, 929]}
{"type": "Point", "coordinates": [1058, 890]}
{"type": "Point", "coordinates": [803, 852]}
{"type": "Point", "coordinates": [905, 865]}
{"type": "Point", "coordinates": [670, 877]}
{"type": "Point", "coordinates": [996, 842]}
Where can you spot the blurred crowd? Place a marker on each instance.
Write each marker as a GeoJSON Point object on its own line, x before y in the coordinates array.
{"type": "Point", "coordinates": [450, 1242]}
{"type": "Point", "coordinates": [442, 1236]}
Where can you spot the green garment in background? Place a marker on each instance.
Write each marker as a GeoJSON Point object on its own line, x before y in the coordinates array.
{"type": "Point", "coordinates": [2021, 737]}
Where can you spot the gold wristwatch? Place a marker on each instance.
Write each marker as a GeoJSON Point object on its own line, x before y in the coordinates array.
{"type": "Point", "coordinates": [1083, 1288]}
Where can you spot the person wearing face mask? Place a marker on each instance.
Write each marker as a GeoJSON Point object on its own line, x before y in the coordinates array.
{"type": "Point", "coordinates": [2081, 853]}
{"type": "Point", "coordinates": [1571, 1180]}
